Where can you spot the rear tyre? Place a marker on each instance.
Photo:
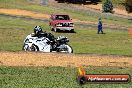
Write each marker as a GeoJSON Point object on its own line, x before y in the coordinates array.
{"type": "Point", "coordinates": [55, 30]}
{"type": "Point", "coordinates": [67, 49]}
{"type": "Point", "coordinates": [52, 29]}
{"type": "Point", "coordinates": [72, 31]}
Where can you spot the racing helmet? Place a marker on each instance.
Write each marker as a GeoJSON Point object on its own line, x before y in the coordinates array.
{"type": "Point", "coordinates": [37, 29]}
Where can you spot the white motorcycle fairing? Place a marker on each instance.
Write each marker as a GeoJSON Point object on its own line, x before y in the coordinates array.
{"type": "Point", "coordinates": [40, 43]}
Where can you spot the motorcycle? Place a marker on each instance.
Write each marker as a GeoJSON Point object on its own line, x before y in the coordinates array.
{"type": "Point", "coordinates": [47, 44]}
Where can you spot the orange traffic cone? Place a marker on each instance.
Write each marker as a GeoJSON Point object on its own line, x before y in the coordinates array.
{"type": "Point", "coordinates": [129, 31]}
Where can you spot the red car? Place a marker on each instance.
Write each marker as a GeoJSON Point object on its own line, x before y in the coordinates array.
{"type": "Point", "coordinates": [61, 22]}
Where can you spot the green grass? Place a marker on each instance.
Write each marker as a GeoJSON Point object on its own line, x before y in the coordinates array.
{"type": "Point", "coordinates": [55, 77]}
{"type": "Point", "coordinates": [74, 13]}
{"type": "Point", "coordinates": [113, 42]}
{"type": "Point", "coordinates": [14, 30]}
{"type": "Point", "coordinates": [115, 1]}
{"type": "Point", "coordinates": [85, 40]}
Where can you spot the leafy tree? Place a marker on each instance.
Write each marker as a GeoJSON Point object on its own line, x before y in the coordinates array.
{"type": "Point", "coordinates": [128, 5]}
{"type": "Point", "coordinates": [107, 6]}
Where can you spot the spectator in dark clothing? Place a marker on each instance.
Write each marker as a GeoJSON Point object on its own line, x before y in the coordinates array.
{"type": "Point", "coordinates": [100, 28]}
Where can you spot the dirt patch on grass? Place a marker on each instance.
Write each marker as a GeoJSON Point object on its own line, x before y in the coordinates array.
{"type": "Point", "coordinates": [65, 60]}
{"type": "Point", "coordinates": [42, 16]}
{"type": "Point", "coordinates": [19, 12]}
{"type": "Point", "coordinates": [32, 14]}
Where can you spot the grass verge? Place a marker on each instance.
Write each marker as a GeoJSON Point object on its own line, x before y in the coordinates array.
{"type": "Point", "coordinates": [85, 40]}
{"type": "Point", "coordinates": [75, 13]}
{"type": "Point", "coordinates": [54, 77]}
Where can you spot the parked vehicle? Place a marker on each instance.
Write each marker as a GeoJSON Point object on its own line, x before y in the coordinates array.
{"type": "Point", "coordinates": [47, 44]}
{"type": "Point", "coordinates": [78, 1]}
{"type": "Point", "coordinates": [61, 22]}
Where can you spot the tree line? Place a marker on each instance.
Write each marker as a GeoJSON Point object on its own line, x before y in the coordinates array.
{"type": "Point", "coordinates": [128, 4]}
{"type": "Point", "coordinates": [107, 6]}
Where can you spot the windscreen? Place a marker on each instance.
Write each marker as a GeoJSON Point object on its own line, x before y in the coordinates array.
{"type": "Point", "coordinates": [62, 17]}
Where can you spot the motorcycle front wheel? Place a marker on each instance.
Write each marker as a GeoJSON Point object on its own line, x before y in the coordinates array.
{"type": "Point", "coordinates": [32, 48]}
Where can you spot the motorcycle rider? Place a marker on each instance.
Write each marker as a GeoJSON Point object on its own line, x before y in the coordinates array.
{"type": "Point", "coordinates": [38, 32]}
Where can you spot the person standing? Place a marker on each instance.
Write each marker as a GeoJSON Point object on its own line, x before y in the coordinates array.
{"type": "Point", "coordinates": [44, 2]}
{"type": "Point", "coordinates": [100, 28]}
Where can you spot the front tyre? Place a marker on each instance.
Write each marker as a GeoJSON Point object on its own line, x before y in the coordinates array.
{"type": "Point", "coordinates": [32, 48]}
{"type": "Point", "coordinates": [72, 31]}
{"type": "Point", "coordinates": [56, 30]}
{"type": "Point", "coordinates": [25, 47]}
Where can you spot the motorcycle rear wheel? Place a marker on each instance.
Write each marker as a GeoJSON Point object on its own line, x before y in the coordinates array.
{"type": "Point", "coordinates": [67, 49]}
